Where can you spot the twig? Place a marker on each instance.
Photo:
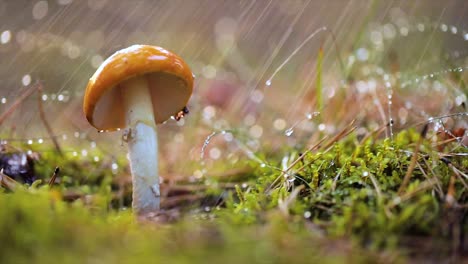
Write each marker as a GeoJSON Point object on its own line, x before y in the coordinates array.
{"type": "Point", "coordinates": [345, 132]}
{"type": "Point", "coordinates": [450, 200]}
{"type": "Point", "coordinates": [434, 178]}
{"type": "Point", "coordinates": [376, 186]}
{"type": "Point", "coordinates": [283, 205]}
{"type": "Point", "coordinates": [44, 121]}
{"type": "Point", "coordinates": [18, 101]}
{"type": "Point", "coordinates": [422, 187]}
{"type": "Point", "coordinates": [8, 182]}
{"type": "Point", "coordinates": [413, 161]}
{"type": "Point", "coordinates": [374, 133]}
{"type": "Point", "coordinates": [54, 176]}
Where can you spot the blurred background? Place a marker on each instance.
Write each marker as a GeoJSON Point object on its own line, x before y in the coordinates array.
{"type": "Point", "coordinates": [269, 74]}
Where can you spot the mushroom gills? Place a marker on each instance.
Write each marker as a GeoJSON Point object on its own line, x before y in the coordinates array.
{"type": "Point", "coordinates": [167, 92]}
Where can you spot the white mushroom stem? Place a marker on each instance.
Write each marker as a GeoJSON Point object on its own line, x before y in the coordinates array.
{"type": "Point", "coordinates": [142, 144]}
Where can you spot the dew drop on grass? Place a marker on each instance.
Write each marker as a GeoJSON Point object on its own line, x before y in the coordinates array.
{"type": "Point", "coordinates": [307, 214]}
{"type": "Point", "coordinates": [268, 83]}
{"type": "Point", "coordinates": [312, 115]}
{"type": "Point", "coordinates": [289, 132]}
{"type": "Point", "coordinates": [205, 144]}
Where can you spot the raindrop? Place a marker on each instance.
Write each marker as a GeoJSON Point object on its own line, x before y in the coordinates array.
{"type": "Point", "coordinates": [312, 115]}
{"type": "Point", "coordinates": [215, 153]}
{"type": "Point", "coordinates": [289, 132]}
{"type": "Point", "coordinates": [268, 82]}
{"type": "Point", "coordinates": [209, 72]}
{"type": "Point", "coordinates": [421, 27]}
{"type": "Point", "coordinates": [279, 124]}
{"type": "Point", "coordinates": [5, 37]}
{"type": "Point", "coordinates": [96, 61]}
{"type": "Point", "coordinates": [40, 10]}
{"type": "Point", "coordinates": [443, 27]}
{"type": "Point", "coordinates": [257, 96]}
{"type": "Point", "coordinates": [263, 165]}
{"type": "Point", "coordinates": [453, 29]}
{"type": "Point", "coordinates": [26, 80]}
{"type": "Point", "coordinates": [362, 54]}
{"type": "Point", "coordinates": [365, 174]}
{"type": "Point", "coordinates": [307, 214]}
{"type": "Point", "coordinates": [205, 144]}
{"type": "Point", "coordinates": [404, 31]}
{"type": "Point", "coordinates": [256, 131]}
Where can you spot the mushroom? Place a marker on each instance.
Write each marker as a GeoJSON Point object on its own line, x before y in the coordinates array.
{"type": "Point", "coordinates": [135, 89]}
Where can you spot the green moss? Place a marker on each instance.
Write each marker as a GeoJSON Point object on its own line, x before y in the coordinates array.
{"type": "Point", "coordinates": [340, 204]}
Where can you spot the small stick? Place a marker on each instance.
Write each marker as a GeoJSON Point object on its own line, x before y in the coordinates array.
{"type": "Point", "coordinates": [18, 101]}
{"type": "Point", "coordinates": [54, 176]}
{"type": "Point", "coordinates": [374, 133]}
{"type": "Point", "coordinates": [414, 159]}
{"type": "Point", "coordinates": [345, 132]}
{"type": "Point", "coordinates": [46, 124]}
{"type": "Point", "coordinates": [450, 197]}
{"type": "Point", "coordinates": [8, 182]}
{"type": "Point", "coordinates": [422, 187]}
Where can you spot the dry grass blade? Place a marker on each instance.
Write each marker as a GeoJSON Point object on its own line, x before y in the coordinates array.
{"type": "Point", "coordinates": [313, 147]}
{"type": "Point", "coordinates": [45, 122]}
{"type": "Point", "coordinates": [428, 184]}
{"type": "Point", "coordinates": [8, 182]}
{"type": "Point", "coordinates": [438, 186]}
{"type": "Point", "coordinates": [413, 161]}
{"type": "Point", "coordinates": [18, 102]}
{"type": "Point", "coordinates": [450, 200]}
{"type": "Point", "coordinates": [346, 131]}
{"type": "Point", "coordinates": [283, 205]}
{"type": "Point", "coordinates": [54, 176]}
{"type": "Point", "coordinates": [374, 133]}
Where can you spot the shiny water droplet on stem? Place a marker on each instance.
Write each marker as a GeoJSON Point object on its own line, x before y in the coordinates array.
{"type": "Point", "coordinates": [289, 132]}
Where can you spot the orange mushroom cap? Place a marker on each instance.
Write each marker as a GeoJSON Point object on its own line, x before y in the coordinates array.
{"type": "Point", "coordinates": [169, 78]}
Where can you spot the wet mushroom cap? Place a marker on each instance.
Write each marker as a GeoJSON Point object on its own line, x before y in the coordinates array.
{"type": "Point", "coordinates": [170, 82]}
